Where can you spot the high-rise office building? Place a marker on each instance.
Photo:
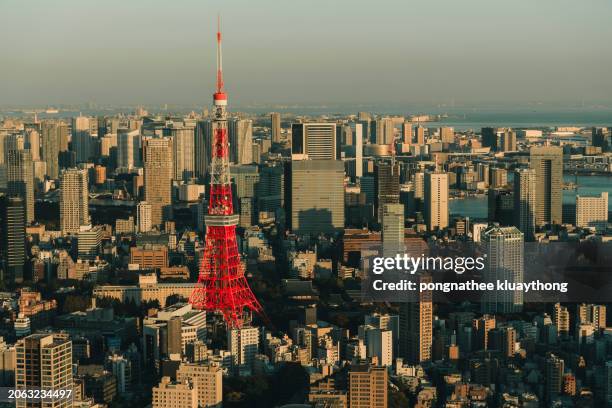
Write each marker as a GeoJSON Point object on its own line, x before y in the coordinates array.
{"type": "Point", "coordinates": [386, 185]}
{"type": "Point", "coordinates": [420, 135]}
{"type": "Point", "coordinates": [481, 329]}
{"type": "Point", "coordinates": [407, 132]}
{"type": "Point", "coordinates": [241, 141]}
{"type": "Point", "coordinates": [32, 143]}
{"type": "Point", "coordinates": [547, 161]}
{"type": "Point", "coordinates": [317, 196]}
{"type": "Point", "coordinates": [207, 378]}
{"type": "Point", "coordinates": [368, 387]}
{"type": "Point", "coordinates": [314, 141]}
{"type": "Point", "coordinates": [393, 229]}
{"type": "Point", "coordinates": [275, 127]}
{"type": "Point", "coordinates": [81, 138]}
{"type": "Point", "coordinates": [12, 238]}
{"type": "Point", "coordinates": [20, 178]}
{"type": "Point", "coordinates": [525, 202]}
{"type": "Point", "coordinates": [358, 136]}
{"type": "Point", "coordinates": [128, 149]}
{"type": "Point", "coordinates": [158, 171]}
{"type": "Point", "coordinates": [50, 145]}
{"type": "Point", "coordinates": [416, 326]}
{"type": "Point", "coordinates": [74, 200]}
{"type": "Point", "coordinates": [436, 200]}
{"type": "Point", "coordinates": [271, 188]}
{"type": "Point", "coordinates": [383, 131]}
{"type": "Point", "coordinates": [143, 217]}
{"type": "Point", "coordinates": [203, 138]}
{"type": "Point", "coordinates": [489, 137]}
{"type": "Point", "coordinates": [44, 361]}
{"type": "Point", "coordinates": [507, 142]}
{"type": "Point", "coordinates": [601, 137]}
{"type": "Point", "coordinates": [88, 242]}
{"type": "Point", "coordinates": [183, 151]}
{"type": "Point", "coordinates": [561, 319]}
{"type": "Point", "coordinates": [504, 262]}
{"type": "Point", "coordinates": [592, 211]}
{"type": "Point", "coordinates": [380, 345]}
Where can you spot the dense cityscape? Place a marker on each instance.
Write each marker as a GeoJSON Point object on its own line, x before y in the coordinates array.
{"type": "Point", "coordinates": [152, 258]}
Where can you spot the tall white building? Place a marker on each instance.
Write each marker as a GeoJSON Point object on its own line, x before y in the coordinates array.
{"type": "Point", "coordinates": [143, 217]}
{"type": "Point", "coordinates": [436, 200]}
{"type": "Point", "coordinates": [592, 212]}
{"type": "Point", "coordinates": [74, 200]}
{"type": "Point", "coordinates": [241, 141]}
{"type": "Point", "coordinates": [504, 262]}
{"type": "Point", "coordinates": [128, 149]}
{"type": "Point", "coordinates": [183, 152]}
{"type": "Point", "coordinates": [243, 343]}
{"type": "Point", "coordinates": [380, 345]}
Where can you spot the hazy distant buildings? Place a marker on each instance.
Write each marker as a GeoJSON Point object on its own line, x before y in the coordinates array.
{"type": "Point", "coordinates": [436, 200]}
{"type": "Point", "coordinates": [547, 161]}
{"type": "Point", "coordinates": [592, 211]}
{"type": "Point", "coordinates": [81, 138]}
{"type": "Point", "coordinates": [314, 141]}
{"type": "Point", "coordinates": [525, 201]}
{"type": "Point", "coordinates": [50, 148]}
{"type": "Point", "coordinates": [317, 196]}
{"type": "Point", "coordinates": [504, 262]}
{"type": "Point", "coordinates": [507, 142]}
{"type": "Point", "coordinates": [382, 131]}
{"type": "Point", "coordinates": [447, 134]}
{"type": "Point", "coordinates": [74, 200]}
{"type": "Point", "coordinates": [489, 137]}
{"type": "Point", "coordinates": [158, 171]}
{"type": "Point", "coordinates": [183, 151]}
{"type": "Point", "coordinates": [202, 146]}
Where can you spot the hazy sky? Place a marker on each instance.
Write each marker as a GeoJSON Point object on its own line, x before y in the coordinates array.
{"type": "Point", "coordinates": [308, 51]}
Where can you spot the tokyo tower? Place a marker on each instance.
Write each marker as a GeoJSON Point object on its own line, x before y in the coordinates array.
{"type": "Point", "coordinates": [222, 286]}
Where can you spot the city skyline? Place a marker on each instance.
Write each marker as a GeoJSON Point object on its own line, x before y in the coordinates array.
{"type": "Point", "coordinates": [430, 53]}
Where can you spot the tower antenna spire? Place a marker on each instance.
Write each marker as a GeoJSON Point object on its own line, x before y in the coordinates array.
{"type": "Point", "coordinates": [219, 57]}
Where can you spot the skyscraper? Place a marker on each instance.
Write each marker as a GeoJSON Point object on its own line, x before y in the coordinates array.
{"type": "Point", "coordinates": [393, 229]}
{"type": "Point", "coordinates": [50, 148]}
{"type": "Point", "coordinates": [203, 142]}
{"type": "Point", "coordinates": [416, 326]}
{"type": "Point", "coordinates": [243, 343]}
{"type": "Point", "coordinates": [592, 211]}
{"type": "Point", "coordinates": [20, 178]}
{"type": "Point", "coordinates": [183, 151]}
{"type": "Point", "coordinates": [81, 138]}
{"type": "Point", "coordinates": [436, 200]}
{"type": "Point", "coordinates": [275, 127]}
{"type": "Point", "coordinates": [547, 161]}
{"type": "Point", "coordinates": [504, 262]}
{"type": "Point", "coordinates": [489, 137]}
{"type": "Point", "coordinates": [241, 141]}
{"type": "Point", "coordinates": [128, 149]}
{"type": "Point", "coordinates": [554, 368]}
{"type": "Point", "coordinates": [44, 361]}
{"type": "Point", "coordinates": [317, 196]}
{"type": "Point", "coordinates": [525, 202]}
{"type": "Point", "coordinates": [386, 186]}
{"type": "Point", "coordinates": [507, 142]}
{"type": "Point", "coordinates": [447, 134]}
{"type": "Point", "coordinates": [315, 141]}
{"type": "Point", "coordinates": [158, 170]}
{"type": "Point", "coordinates": [358, 150]}
{"type": "Point", "coordinates": [12, 238]}
{"type": "Point", "coordinates": [407, 132]}
{"type": "Point", "coordinates": [74, 200]}
{"type": "Point", "coordinates": [383, 131]}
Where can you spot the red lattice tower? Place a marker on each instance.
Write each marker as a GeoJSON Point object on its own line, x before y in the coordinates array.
{"type": "Point", "coordinates": [222, 286]}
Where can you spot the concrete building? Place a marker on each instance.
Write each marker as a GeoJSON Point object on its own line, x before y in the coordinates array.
{"type": "Point", "coordinates": [208, 380]}
{"type": "Point", "coordinates": [436, 200]}
{"type": "Point", "coordinates": [368, 387]}
{"type": "Point", "coordinates": [50, 144]}
{"type": "Point", "coordinates": [317, 196]}
{"type": "Point", "coordinates": [81, 138]}
{"type": "Point", "coordinates": [12, 238]}
{"type": "Point", "coordinates": [547, 161]}
{"type": "Point", "coordinates": [314, 141]}
{"type": "Point", "coordinates": [240, 140]}
{"type": "Point", "coordinates": [74, 200]}
{"type": "Point", "coordinates": [386, 186]}
{"type": "Point", "coordinates": [525, 202]}
{"type": "Point", "coordinates": [243, 343]}
{"type": "Point", "coordinates": [592, 211]}
{"type": "Point", "coordinates": [128, 149]}
{"type": "Point", "coordinates": [158, 172]}
{"type": "Point", "coordinates": [416, 327]}
{"type": "Point", "coordinates": [504, 262]}
{"type": "Point", "coordinates": [143, 217]}
{"type": "Point", "coordinates": [275, 127]}
{"type": "Point", "coordinates": [169, 394]}
{"type": "Point", "coordinates": [20, 179]}
{"type": "Point", "coordinates": [183, 151]}
{"type": "Point", "coordinates": [44, 360]}
{"type": "Point", "coordinates": [393, 230]}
